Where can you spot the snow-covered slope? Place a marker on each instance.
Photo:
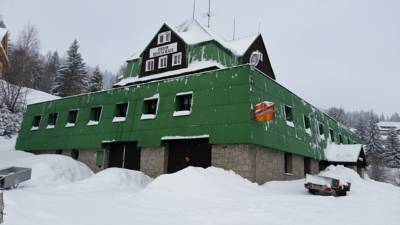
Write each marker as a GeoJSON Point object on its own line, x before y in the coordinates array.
{"type": "Point", "coordinates": [35, 96]}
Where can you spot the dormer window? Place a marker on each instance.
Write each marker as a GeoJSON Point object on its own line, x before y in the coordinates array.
{"type": "Point", "coordinates": [162, 62]}
{"type": "Point", "coordinates": [164, 37]}
{"type": "Point", "coordinates": [149, 65]}
{"type": "Point", "coordinates": [177, 59]}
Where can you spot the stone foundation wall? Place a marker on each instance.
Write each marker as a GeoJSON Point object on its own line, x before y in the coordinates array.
{"type": "Point", "coordinates": [256, 163]}
{"type": "Point", "coordinates": [154, 161]}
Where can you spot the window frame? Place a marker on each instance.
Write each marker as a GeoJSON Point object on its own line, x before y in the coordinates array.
{"type": "Point", "coordinates": [332, 135]}
{"type": "Point", "coordinates": [53, 115]}
{"type": "Point", "coordinates": [69, 124]}
{"type": "Point", "coordinates": [307, 129]}
{"type": "Point", "coordinates": [117, 118]}
{"type": "Point", "coordinates": [178, 112]}
{"type": "Point", "coordinates": [179, 56]}
{"type": "Point", "coordinates": [166, 37]}
{"type": "Point", "coordinates": [145, 115]}
{"type": "Point", "coordinates": [147, 69]}
{"type": "Point", "coordinates": [94, 122]}
{"type": "Point", "coordinates": [33, 127]}
{"type": "Point", "coordinates": [160, 59]}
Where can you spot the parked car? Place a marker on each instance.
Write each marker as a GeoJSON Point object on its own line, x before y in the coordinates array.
{"type": "Point", "coordinates": [326, 185]}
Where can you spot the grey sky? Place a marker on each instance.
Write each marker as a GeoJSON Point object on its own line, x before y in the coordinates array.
{"type": "Point", "coordinates": [329, 52]}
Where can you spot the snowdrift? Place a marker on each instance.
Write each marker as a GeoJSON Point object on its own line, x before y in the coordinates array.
{"type": "Point", "coordinates": [47, 170]}
{"type": "Point", "coordinates": [113, 178]}
{"type": "Point", "coordinates": [195, 181]}
{"type": "Point", "coordinates": [342, 173]}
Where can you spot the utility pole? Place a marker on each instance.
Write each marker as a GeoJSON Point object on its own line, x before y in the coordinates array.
{"type": "Point", "coordinates": [194, 8]}
{"type": "Point", "coordinates": [234, 28]}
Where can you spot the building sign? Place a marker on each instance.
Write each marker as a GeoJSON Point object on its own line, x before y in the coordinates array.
{"type": "Point", "coordinates": [163, 50]}
{"type": "Point", "coordinates": [264, 112]}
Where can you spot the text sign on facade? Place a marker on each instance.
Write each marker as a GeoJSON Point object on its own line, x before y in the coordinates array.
{"type": "Point", "coordinates": [163, 50]}
{"type": "Point", "coordinates": [264, 112]}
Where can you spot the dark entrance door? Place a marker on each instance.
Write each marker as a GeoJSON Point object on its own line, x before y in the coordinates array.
{"type": "Point", "coordinates": [124, 155]}
{"type": "Point", "coordinates": [307, 165]}
{"type": "Point", "coordinates": [188, 152]}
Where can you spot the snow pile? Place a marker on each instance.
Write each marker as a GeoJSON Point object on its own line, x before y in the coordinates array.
{"type": "Point", "coordinates": [341, 173]}
{"type": "Point", "coordinates": [7, 144]}
{"type": "Point", "coordinates": [196, 181]}
{"type": "Point", "coordinates": [47, 170]}
{"type": "Point", "coordinates": [342, 153]}
{"type": "Point", "coordinates": [115, 178]}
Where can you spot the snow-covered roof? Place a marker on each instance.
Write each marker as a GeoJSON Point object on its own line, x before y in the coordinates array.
{"type": "Point", "coordinates": [385, 125]}
{"type": "Point", "coordinates": [194, 66]}
{"type": "Point", "coordinates": [342, 153]}
{"type": "Point", "coordinates": [192, 33]}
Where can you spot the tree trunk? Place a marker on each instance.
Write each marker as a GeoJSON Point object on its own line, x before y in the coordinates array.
{"type": "Point", "coordinates": [1, 207]}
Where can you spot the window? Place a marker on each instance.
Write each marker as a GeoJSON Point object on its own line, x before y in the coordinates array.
{"type": "Point", "coordinates": [288, 113]}
{"type": "Point", "coordinates": [94, 116]}
{"type": "Point", "coordinates": [288, 163]}
{"type": "Point", "coordinates": [164, 37]}
{"type": "Point", "coordinates": [307, 126]}
{"type": "Point", "coordinates": [177, 59]}
{"type": "Point", "coordinates": [36, 122]}
{"type": "Point", "coordinates": [162, 61]}
{"type": "Point", "coordinates": [332, 135]}
{"type": "Point", "coordinates": [72, 118]}
{"type": "Point", "coordinates": [51, 122]}
{"type": "Point", "coordinates": [150, 106]}
{"type": "Point", "coordinates": [149, 65]}
{"type": "Point", "coordinates": [121, 110]}
{"type": "Point", "coordinates": [340, 139]}
{"type": "Point", "coordinates": [348, 141]}
{"type": "Point", "coordinates": [183, 104]}
{"type": "Point", "coordinates": [321, 129]}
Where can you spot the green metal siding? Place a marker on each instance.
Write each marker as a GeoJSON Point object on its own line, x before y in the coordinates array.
{"type": "Point", "coordinates": [211, 51]}
{"type": "Point", "coordinates": [222, 103]}
{"type": "Point", "coordinates": [133, 68]}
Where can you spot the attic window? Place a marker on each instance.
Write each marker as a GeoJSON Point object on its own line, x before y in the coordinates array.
{"type": "Point", "coordinates": [94, 116]}
{"type": "Point", "coordinates": [36, 122]}
{"type": "Point", "coordinates": [150, 106]}
{"type": "Point", "coordinates": [164, 37]}
{"type": "Point", "coordinates": [177, 59]}
{"type": "Point", "coordinates": [162, 61]}
{"type": "Point", "coordinates": [149, 65]}
{"type": "Point", "coordinates": [121, 110]}
{"type": "Point", "coordinates": [72, 117]}
{"type": "Point", "coordinates": [183, 104]}
{"type": "Point", "coordinates": [51, 122]}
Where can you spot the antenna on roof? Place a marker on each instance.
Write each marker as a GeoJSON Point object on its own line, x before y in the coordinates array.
{"type": "Point", "coordinates": [209, 13]}
{"type": "Point", "coordinates": [259, 27]}
{"type": "Point", "coordinates": [194, 8]}
{"type": "Point", "coordinates": [234, 28]}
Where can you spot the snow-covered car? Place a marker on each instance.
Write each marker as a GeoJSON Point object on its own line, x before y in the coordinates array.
{"type": "Point", "coordinates": [323, 185]}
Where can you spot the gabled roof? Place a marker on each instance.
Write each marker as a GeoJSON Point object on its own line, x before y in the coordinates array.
{"type": "Point", "coordinates": [192, 33]}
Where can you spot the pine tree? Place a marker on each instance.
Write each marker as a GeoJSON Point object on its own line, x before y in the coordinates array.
{"type": "Point", "coordinates": [361, 130]}
{"type": "Point", "coordinates": [395, 117]}
{"type": "Point", "coordinates": [374, 144]}
{"type": "Point", "coordinates": [71, 78]}
{"type": "Point", "coordinates": [338, 114]}
{"type": "Point", "coordinates": [2, 24]}
{"type": "Point", "coordinates": [392, 147]}
{"type": "Point", "coordinates": [96, 80]}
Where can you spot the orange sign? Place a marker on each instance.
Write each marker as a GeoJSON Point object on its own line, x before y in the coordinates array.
{"type": "Point", "coordinates": [264, 112]}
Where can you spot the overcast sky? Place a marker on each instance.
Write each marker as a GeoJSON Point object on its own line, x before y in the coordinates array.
{"type": "Point", "coordinates": [330, 52]}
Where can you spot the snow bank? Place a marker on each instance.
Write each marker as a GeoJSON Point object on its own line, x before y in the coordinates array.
{"type": "Point", "coordinates": [47, 170]}
{"type": "Point", "coordinates": [7, 144]}
{"type": "Point", "coordinates": [115, 178]}
{"type": "Point", "coordinates": [196, 181]}
{"type": "Point", "coordinates": [342, 173]}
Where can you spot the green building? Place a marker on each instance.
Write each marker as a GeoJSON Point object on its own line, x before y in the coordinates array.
{"type": "Point", "coordinates": [191, 98]}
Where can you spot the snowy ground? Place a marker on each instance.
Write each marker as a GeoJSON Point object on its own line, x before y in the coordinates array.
{"type": "Point", "coordinates": [64, 191]}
